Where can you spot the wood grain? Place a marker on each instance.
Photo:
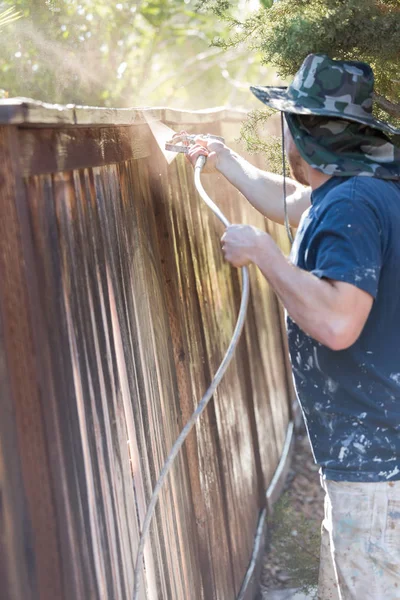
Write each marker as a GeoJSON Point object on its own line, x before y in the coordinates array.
{"type": "Point", "coordinates": [40, 565]}
{"type": "Point", "coordinates": [127, 309]}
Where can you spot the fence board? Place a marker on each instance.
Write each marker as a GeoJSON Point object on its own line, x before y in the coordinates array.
{"type": "Point", "coordinates": [128, 308]}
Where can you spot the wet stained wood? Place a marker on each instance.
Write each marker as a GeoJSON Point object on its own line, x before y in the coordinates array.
{"type": "Point", "coordinates": [129, 308]}
{"type": "Point", "coordinates": [52, 150]}
{"type": "Point", "coordinates": [17, 569]}
{"type": "Point", "coordinates": [27, 464]}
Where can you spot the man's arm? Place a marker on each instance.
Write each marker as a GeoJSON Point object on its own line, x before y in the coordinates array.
{"type": "Point", "coordinates": [332, 312]}
{"type": "Point", "coordinates": [262, 189]}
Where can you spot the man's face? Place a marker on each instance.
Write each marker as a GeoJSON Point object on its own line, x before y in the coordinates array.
{"type": "Point", "coordinates": [297, 165]}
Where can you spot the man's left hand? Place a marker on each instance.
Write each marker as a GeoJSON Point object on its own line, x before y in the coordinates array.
{"type": "Point", "coordinates": [242, 243]}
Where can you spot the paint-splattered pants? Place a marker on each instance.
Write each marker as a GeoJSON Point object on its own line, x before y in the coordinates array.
{"type": "Point", "coordinates": [360, 546]}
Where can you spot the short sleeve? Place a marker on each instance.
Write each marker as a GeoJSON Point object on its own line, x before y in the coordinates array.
{"type": "Point", "coordinates": [346, 244]}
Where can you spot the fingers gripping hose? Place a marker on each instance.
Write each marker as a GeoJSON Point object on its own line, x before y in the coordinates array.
{"type": "Point", "coordinates": [209, 393]}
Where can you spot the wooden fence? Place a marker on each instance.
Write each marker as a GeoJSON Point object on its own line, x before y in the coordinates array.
{"type": "Point", "coordinates": [116, 308]}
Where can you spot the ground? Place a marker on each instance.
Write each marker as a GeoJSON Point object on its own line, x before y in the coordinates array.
{"type": "Point", "coordinates": [292, 553]}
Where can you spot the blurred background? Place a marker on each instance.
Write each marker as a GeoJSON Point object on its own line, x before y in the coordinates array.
{"type": "Point", "coordinates": [143, 53]}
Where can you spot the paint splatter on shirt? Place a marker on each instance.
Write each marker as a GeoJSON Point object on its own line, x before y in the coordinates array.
{"type": "Point", "coordinates": [351, 398]}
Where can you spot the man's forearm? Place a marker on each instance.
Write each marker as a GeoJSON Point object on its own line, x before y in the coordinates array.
{"type": "Point", "coordinates": [264, 190]}
{"type": "Point", "coordinates": [314, 304]}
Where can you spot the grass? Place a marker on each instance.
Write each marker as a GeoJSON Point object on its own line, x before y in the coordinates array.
{"type": "Point", "coordinates": [296, 541]}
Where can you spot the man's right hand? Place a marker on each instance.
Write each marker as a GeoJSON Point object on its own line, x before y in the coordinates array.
{"type": "Point", "coordinates": [205, 147]}
{"type": "Point", "coordinates": [210, 148]}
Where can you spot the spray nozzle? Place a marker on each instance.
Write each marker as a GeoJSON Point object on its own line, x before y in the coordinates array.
{"type": "Point", "coordinates": [182, 142]}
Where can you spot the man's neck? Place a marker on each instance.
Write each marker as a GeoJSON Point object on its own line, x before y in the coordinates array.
{"type": "Point", "coordinates": [316, 178]}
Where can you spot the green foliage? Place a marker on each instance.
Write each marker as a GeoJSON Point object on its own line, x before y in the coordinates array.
{"type": "Point", "coordinates": [343, 29]}
{"type": "Point", "coordinates": [257, 140]}
{"type": "Point", "coordinates": [296, 541]}
{"type": "Point", "coordinates": [267, 3]}
{"type": "Point", "coordinates": [97, 52]}
{"type": "Point", "coordinates": [288, 30]}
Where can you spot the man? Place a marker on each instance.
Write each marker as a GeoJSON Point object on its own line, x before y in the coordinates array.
{"type": "Point", "coordinates": [341, 290]}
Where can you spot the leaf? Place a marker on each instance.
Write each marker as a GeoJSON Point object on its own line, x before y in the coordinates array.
{"type": "Point", "coordinates": [9, 16]}
{"type": "Point", "coordinates": [267, 3]}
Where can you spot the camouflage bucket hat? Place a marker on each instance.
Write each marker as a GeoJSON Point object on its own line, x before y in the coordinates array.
{"type": "Point", "coordinates": [326, 87]}
{"type": "Point", "coordinates": [328, 108]}
{"type": "Point", "coordinates": [344, 148]}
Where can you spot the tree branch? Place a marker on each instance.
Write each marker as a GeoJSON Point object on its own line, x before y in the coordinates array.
{"type": "Point", "coordinates": [391, 108]}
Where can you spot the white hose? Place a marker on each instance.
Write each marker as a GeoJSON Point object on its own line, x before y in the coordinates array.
{"type": "Point", "coordinates": [209, 393]}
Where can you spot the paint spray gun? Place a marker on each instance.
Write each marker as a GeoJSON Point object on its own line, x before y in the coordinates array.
{"type": "Point", "coordinates": [182, 142]}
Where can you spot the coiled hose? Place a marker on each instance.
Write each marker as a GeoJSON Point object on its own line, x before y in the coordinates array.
{"type": "Point", "coordinates": [209, 393]}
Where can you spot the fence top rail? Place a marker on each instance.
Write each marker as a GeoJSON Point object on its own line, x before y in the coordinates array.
{"type": "Point", "coordinates": [28, 112]}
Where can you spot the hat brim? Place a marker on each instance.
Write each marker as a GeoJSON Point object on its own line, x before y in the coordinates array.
{"type": "Point", "coordinates": [277, 98]}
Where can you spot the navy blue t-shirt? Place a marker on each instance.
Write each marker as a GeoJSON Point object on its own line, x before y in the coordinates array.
{"type": "Point", "coordinates": [351, 398]}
